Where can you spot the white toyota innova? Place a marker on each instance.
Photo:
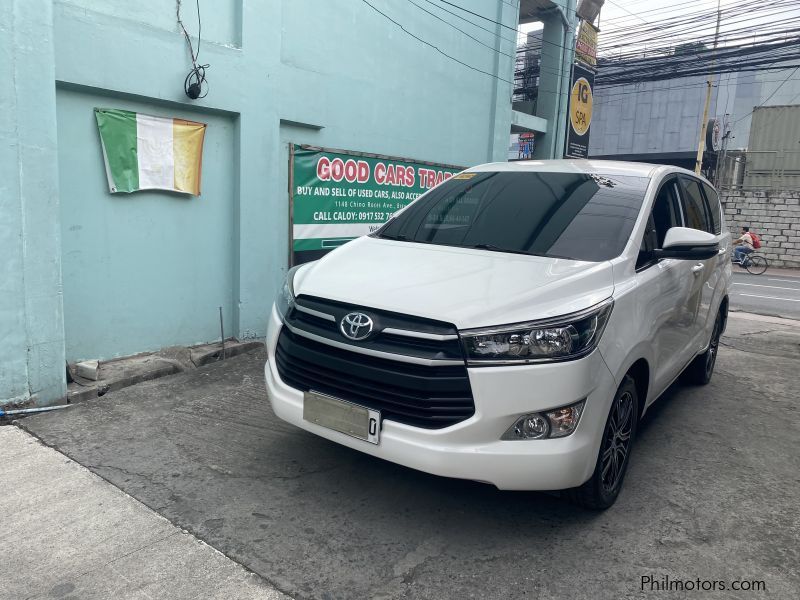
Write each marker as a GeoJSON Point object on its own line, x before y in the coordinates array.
{"type": "Point", "coordinates": [510, 326]}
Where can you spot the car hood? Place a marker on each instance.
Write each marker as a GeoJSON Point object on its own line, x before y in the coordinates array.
{"type": "Point", "coordinates": [463, 286]}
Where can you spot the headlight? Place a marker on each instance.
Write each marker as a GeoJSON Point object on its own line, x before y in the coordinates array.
{"type": "Point", "coordinates": [564, 338]}
{"type": "Point", "coordinates": [285, 298]}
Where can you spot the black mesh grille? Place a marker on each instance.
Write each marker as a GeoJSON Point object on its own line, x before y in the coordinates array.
{"type": "Point", "coordinates": [424, 396]}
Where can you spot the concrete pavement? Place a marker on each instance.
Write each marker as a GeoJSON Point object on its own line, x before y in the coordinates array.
{"type": "Point", "coordinates": [711, 494]}
{"type": "Point", "coordinates": [67, 533]}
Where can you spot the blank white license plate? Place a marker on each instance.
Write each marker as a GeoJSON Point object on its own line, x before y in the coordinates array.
{"type": "Point", "coordinates": [345, 417]}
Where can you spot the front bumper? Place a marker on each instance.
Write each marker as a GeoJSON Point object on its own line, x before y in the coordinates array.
{"type": "Point", "coordinates": [472, 449]}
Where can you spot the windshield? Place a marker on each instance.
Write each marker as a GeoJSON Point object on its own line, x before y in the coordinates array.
{"type": "Point", "coordinates": [561, 215]}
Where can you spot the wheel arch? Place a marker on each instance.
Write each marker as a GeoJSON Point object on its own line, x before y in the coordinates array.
{"type": "Point", "coordinates": [639, 371]}
{"type": "Point", "coordinates": [723, 308]}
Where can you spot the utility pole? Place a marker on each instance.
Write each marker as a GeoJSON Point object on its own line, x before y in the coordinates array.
{"type": "Point", "coordinates": [701, 144]}
{"type": "Point", "coordinates": [722, 171]}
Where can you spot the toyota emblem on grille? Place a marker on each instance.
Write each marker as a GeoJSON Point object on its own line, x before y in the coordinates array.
{"type": "Point", "coordinates": [356, 326]}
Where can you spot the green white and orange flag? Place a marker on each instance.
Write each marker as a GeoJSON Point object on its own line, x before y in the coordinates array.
{"type": "Point", "coordinates": [144, 152]}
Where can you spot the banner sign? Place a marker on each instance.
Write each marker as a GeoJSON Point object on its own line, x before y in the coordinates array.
{"type": "Point", "coordinates": [521, 146]}
{"type": "Point", "coordinates": [586, 44]}
{"type": "Point", "coordinates": [337, 195]}
{"type": "Point", "coordinates": [580, 112]}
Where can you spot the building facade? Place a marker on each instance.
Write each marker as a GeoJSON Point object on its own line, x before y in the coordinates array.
{"type": "Point", "coordinates": [89, 274]}
{"type": "Point", "coordinates": [756, 164]}
{"type": "Point", "coordinates": [542, 75]}
{"type": "Point", "coordinates": [660, 121]}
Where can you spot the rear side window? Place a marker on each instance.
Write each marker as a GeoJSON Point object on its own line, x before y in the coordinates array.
{"type": "Point", "coordinates": [694, 206]}
{"type": "Point", "coordinates": [714, 208]}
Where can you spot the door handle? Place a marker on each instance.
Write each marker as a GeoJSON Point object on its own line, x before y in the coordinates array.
{"type": "Point", "coordinates": [698, 268]}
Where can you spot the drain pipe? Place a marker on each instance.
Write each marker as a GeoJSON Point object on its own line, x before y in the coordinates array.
{"type": "Point", "coordinates": [26, 411]}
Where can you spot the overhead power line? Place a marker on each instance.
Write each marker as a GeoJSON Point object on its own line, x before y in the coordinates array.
{"type": "Point", "coordinates": [606, 94]}
{"type": "Point", "coordinates": [466, 10]}
{"type": "Point", "coordinates": [697, 26]}
{"type": "Point", "coordinates": [747, 55]}
{"type": "Point", "coordinates": [629, 12]}
{"type": "Point", "coordinates": [435, 16]}
{"type": "Point", "coordinates": [458, 16]}
{"type": "Point", "coordinates": [723, 60]}
{"type": "Point", "coordinates": [756, 35]}
{"type": "Point", "coordinates": [439, 50]}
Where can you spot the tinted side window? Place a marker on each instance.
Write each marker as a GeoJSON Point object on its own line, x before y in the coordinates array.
{"type": "Point", "coordinates": [649, 243]}
{"type": "Point", "coordinates": [714, 208]}
{"type": "Point", "coordinates": [694, 206]}
{"type": "Point", "coordinates": [665, 214]}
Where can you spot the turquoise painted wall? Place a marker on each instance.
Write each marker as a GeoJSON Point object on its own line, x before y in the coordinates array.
{"type": "Point", "coordinates": [145, 271]}
{"type": "Point", "coordinates": [150, 268]}
{"type": "Point", "coordinates": [31, 317]}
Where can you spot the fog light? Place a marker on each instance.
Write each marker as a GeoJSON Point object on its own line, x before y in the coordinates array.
{"type": "Point", "coordinates": [556, 423]}
{"type": "Point", "coordinates": [528, 427]}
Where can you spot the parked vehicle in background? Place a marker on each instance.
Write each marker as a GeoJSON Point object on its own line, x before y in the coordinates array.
{"type": "Point", "coordinates": [511, 326]}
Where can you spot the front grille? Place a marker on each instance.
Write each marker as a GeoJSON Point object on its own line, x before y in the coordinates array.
{"type": "Point", "coordinates": [431, 396]}
{"type": "Point", "coordinates": [308, 318]}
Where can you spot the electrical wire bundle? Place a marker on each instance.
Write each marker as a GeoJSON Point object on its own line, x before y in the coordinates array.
{"type": "Point", "coordinates": [655, 44]}
{"type": "Point", "coordinates": [673, 42]}
{"type": "Point", "coordinates": [195, 82]}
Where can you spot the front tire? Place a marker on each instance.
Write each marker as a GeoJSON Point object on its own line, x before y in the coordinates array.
{"type": "Point", "coordinates": [603, 487]}
{"type": "Point", "coordinates": [756, 264]}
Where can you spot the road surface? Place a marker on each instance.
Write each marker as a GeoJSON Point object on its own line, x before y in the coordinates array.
{"type": "Point", "coordinates": [767, 294]}
{"type": "Point", "coordinates": [711, 494]}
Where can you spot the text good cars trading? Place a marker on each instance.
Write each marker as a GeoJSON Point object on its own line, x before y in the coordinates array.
{"type": "Point", "coordinates": [510, 326]}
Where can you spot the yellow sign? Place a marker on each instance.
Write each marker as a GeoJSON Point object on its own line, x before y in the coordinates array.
{"type": "Point", "coordinates": [586, 44]}
{"type": "Point", "coordinates": [580, 106]}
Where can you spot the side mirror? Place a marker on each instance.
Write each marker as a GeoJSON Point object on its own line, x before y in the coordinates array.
{"type": "Point", "coordinates": [687, 244]}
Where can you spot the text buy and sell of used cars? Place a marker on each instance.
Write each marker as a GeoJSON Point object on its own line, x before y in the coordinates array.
{"type": "Point", "coordinates": [510, 326]}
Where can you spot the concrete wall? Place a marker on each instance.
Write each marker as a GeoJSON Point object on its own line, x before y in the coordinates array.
{"type": "Point", "coordinates": [333, 73]}
{"type": "Point", "coordinates": [775, 217]}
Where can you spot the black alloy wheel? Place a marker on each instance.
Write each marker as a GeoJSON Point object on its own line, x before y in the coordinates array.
{"type": "Point", "coordinates": [603, 487]}
{"type": "Point", "coordinates": [713, 347]}
{"type": "Point", "coordinates": [701, 369]}
{"type": "Point", "coordinates": [617, 442]}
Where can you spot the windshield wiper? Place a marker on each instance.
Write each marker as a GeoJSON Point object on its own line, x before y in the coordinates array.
{"type": "Point", "coordinates": [493, 248]}
{"type": "Point", "coordinates": [398, 238]}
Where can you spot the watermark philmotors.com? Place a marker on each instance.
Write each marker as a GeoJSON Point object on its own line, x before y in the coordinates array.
{"type": "Point", "coordinates": [665, 583]}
